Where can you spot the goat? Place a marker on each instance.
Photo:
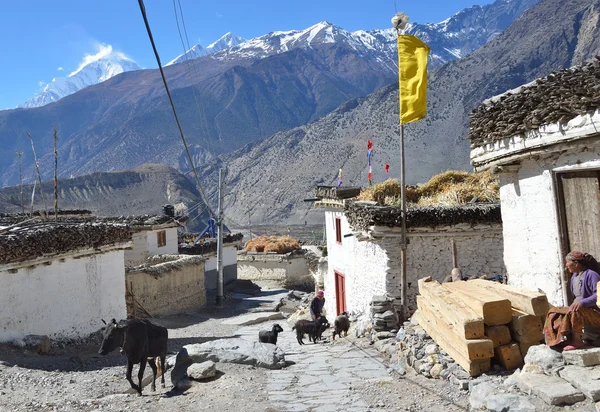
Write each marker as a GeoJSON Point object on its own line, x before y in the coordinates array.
{"type": "Point", "coordinates": [319, 332]}
{"type": "Point", "coordinates": [270, 336]}
{"type": "Point", "coordinates": [312, 328]}
{"type": "Point", "coordinates": [341, 323]}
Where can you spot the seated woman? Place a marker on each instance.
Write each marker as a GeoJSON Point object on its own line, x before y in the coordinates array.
{"type": "Point", "coordinates": [564, 325]}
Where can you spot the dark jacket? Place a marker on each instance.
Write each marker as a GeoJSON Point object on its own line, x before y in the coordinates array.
{"type": "Point", "coordinates": [316, 306]}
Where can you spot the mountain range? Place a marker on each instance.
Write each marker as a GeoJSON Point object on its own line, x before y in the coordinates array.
{"type": "Point", "coordinates": [226, 41]}
{"type": "Point", "coordinates": [269, 179]}
{"type": "Point", "coordinates": [283, 112]}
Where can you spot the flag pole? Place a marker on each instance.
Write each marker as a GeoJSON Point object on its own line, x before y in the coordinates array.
{"type": "Point", "coordinates": [399, 21]}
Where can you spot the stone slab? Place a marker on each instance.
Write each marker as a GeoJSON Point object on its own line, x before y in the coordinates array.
{"type": "Point", "coordinates": [587, 380]}
{"type": "Point", "coordinates": [582, 357]}
{"type": "Point", "coordinates": [551, 389]}
{"type": "Point", "coordinates": [253, 318]}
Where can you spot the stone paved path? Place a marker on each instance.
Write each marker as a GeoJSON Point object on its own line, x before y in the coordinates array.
{"type": "Point", "coordinates": [324, 376]}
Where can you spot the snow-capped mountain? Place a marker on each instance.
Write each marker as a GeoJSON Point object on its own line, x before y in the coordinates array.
{"type": "Point", "coordinates": [94, 69]}
{"type": "Point", "coordinates": [449, 40]}
{"type": "Point", "coordinates": [227, 40]}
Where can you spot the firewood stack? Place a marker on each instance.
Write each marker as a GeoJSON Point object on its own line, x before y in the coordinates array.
{"type": "Point", "coordinates": [478, 320]}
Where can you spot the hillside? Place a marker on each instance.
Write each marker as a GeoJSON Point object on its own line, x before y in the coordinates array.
{"type": "Point", "coordinates": [143, 190]}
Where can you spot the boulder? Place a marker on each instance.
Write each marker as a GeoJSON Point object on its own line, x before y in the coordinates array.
{"type": "Point", "coordinates": [582, 357]}
{"type": "Point", "coordinates": [547, 359]}
{"type": "Point", "coordinates": [204, 370]}
{"type": "Point", "coordinates": [264, 355]}
{"type": "Point", "coordinates": [551, 389]}
{"type": "Point", "coordinates": [587, 380]}
{"type": "Point", "coordinates": [509, 402]}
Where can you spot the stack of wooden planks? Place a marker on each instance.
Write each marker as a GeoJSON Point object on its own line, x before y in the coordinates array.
{"type": "Point", "coordinates": [478, 320]}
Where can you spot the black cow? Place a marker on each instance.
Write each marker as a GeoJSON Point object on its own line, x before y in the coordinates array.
{"type": "Point", "coordinates": [341, 324]}
{"type": "Point", "coordinates": [142, 341]}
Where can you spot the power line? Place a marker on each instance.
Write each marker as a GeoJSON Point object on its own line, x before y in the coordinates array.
{"type": "Point", "coordinates": [162, 74]}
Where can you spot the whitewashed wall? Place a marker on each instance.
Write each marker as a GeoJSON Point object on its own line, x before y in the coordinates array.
{"type": "Point", "coordinates": [145, 243]}
{"type": "Point", "coordinates": [373, 267]}
{"type": "Point", "coordinates": [65, 297]}
{"type": "Point", "coordinates": [532, 250]}
{"type": "Point", "coordinates": [363, 264]}
{"type": "Point", "coordinates": [230, 269]}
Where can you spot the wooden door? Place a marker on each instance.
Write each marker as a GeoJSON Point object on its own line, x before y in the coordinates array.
{"type": "Point", "coordinates": [580, 192]}
{"type": "Point", "coordinates": [340, 292]}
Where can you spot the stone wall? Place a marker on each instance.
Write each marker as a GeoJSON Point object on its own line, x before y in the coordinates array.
{"type": "Point", "coordinates": [63, 296]}
{"type": "Point", "coordinates": [170, 287]}
{"type": "Point", "coordinates": [290, 269]}
{"type": "Point", "coordinates": [372, 267]}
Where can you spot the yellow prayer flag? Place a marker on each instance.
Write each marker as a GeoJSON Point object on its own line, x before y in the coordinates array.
{"type": "Point", "coordinates": [412, 75]}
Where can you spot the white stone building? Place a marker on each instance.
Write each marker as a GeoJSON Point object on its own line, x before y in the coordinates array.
{"type": "Point", "coordinates": [155, 235]}
{"type": "Point", "coordinates": [61, 280]}
{"type": "Point", "coordinates": [543, 140]}
{"type": "Point", "coordinates": [364, 259]}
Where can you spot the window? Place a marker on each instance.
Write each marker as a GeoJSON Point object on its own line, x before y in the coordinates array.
{"type": "Point", "coordinates": [338, 230]}
{"type": "Point", "coordinates": [161, 238]}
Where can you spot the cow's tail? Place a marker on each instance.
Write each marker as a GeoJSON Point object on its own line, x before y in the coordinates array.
{"type": "Point", "coordinates": [156, 361]}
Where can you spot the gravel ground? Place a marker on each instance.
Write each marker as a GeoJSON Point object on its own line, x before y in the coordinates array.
{"type": "Point", "coordinates": [75, 377]}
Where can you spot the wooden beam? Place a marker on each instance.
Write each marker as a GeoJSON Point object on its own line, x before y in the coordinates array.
{"type": "Point", "coordinates": [472, 367]}
{"type": "Point", "coordinates": [509, 356]}
{"type": "Point", "coordinates": [453, 310]}
{"type": "Point", "coordinates": [530, 302]}
{"type": "Point", "coordinates": [526, 328]}
{"type": "Point", "coordinates": [499, 335]}
{"type": "Point", "coordinates": [494, 309]}
{"type": "Point", "coordinates": [471, 349]}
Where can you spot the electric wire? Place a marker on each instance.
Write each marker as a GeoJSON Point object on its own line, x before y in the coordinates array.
{"type": "Point", "coordinates": [204, 198]}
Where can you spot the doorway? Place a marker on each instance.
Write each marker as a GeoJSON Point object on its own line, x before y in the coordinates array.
{"type": "Point", "coordinates": [340, 292]}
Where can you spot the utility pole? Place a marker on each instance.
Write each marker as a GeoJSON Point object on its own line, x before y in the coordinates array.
{"type": "Point", "coordinates": [55, 178]}
{"type": "Point", "coordinates": [37, 169]}
{"type": "Point", "coordinates": [19, 154]}
{"type": "Point", "coordinates": [249, 224]}
{"type": "Point", "coordinates": [220, 238]}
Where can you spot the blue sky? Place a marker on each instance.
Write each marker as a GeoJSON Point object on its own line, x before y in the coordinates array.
{"type": "Point", "coordinates": [39, 37]}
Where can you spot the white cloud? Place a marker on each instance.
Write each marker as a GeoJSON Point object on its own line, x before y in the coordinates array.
{"type": "Point", "coordinates": [103, 51]}
{"type": "Point", "coordinates": [60, 69]}
{"type": "Point", "coordinates": [41, 83]}
{"type": "Point", "coordinates": [219, 15]}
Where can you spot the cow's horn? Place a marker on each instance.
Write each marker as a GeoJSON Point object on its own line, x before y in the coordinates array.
{"type": "Point", "coordinates": [103, 321]}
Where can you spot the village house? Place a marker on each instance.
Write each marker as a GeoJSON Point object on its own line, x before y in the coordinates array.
{"type": "Point", "coordinates": [363, 246]}
{"type": "Point", "coordinates": [152, 235]}
{"type": "Point", "coordinates": [61, 279]}
{"type": "Point", "coordinates": [543, 140]}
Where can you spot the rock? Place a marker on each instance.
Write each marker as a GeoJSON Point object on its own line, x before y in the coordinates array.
{"type": "Point", "coordinates": [379, 345]}
{"type": "Point", "coordinates": [478, 381]}
{"type": "Point", "coordinates": [480, 394]}
{"type": "Point", "coordinates": [384, 335]}
{"type": "Point", "coordinates": [204, 370]}
{"type": "Point", "coordinates": [548, 359]}
{"type": "Point", "coordinates": [509, 402]}
{"type": "Point", "coordinates": [582, 357]}
{"type": "Point", "coordinates": [436, 370]}
{"type": "Point", "coordinates": [551, 389]}
{"type": "Point", "coordinates": [587, 380]}
{"type": "Point", "coordinates": [263, 355]}
{"type": "Point", "coordinates": [461, 383]}
{"type": "Point", "coordinates": [444, 374]}
{"type": "Point", "coordinates": [513, 379]}
{"type": "Point", "coordinates": [431, 349]}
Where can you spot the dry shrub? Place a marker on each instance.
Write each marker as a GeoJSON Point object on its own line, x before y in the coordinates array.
{"type": "Point", "coordinates": [278, 244]}
{"type": "Point", "coordinates": [454, 188]}
{"type": "Point", "coordinates": [379, 192]}
{"type": "Point", "coordinates": [451, 188]}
